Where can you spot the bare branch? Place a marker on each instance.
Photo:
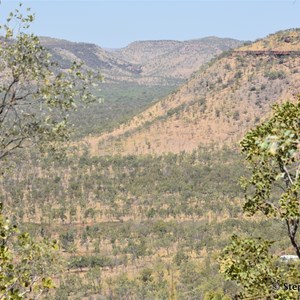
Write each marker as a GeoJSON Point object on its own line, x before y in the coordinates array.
{"type": "Point", "coordinates": [292, 226]}
{"type": "Point", "coordinates": [288, 174]}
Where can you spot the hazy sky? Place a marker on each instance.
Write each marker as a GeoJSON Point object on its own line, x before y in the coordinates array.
{"type": "Point", "coordinates": [114, 24]}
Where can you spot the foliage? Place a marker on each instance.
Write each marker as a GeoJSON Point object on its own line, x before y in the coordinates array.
{"type": "Point", "coordinates": [250, 264]}
{"type": "Point", "coordinates": [35, 93]}
{"type": "Point", "coordinates": [272, 75]}
{"type": "Point", "coordinates": [273, 153]}
{"type": "Point", "coordinates": [25, 264]}
{"type": "Point", "coordinates": [34, 98]}
{"type": "Point", "coordinates": [89, 261]}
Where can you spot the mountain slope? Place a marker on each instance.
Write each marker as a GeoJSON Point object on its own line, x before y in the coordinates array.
{"type": "Point", "coordinates": [93, 56]}
{"type": "Point", "coordinates": [285, 40]}
{"type": "Point", "coordinates": [149, 62]}
{"type": "Point", "coordinates": [215, 107]}
{"type": "Point", "coordinates": [173, 58]}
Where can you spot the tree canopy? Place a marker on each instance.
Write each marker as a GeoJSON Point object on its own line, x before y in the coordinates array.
{"type": "Point", "coordinates": [272, 151]}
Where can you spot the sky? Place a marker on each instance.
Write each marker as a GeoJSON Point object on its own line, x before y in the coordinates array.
{"type": "Point", "coordinates": [115, 24]}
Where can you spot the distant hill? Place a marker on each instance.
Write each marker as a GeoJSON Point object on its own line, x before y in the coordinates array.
{"type": "Point", "coordinates": [176, 59]}
{"type": "Point", "coordinates": [218, 104]}
{"type": "Point", "coordinates": [93, 56]}
{"type": "Point", "coordinates": [148, 62]}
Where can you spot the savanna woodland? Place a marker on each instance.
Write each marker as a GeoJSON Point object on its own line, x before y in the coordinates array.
{"type": "Point", "coordinates": [148, 185]}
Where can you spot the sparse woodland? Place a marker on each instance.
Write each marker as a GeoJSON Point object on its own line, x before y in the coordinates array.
{"type": "Point", "coordinates": [144, 200]}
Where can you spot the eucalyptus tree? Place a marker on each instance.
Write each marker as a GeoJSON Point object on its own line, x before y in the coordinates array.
{"type": "Point", "coordinates": [35, 97]}
{"type": "Point", "coordinates": [35, 93]}
{"type": "Point", "coordinates": [272, 151]}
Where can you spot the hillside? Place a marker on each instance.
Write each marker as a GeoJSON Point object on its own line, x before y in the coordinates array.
{"type": "Point", "coordinates": [93, 56]}
{"type": "Point", "coordinates": [147, 63]}
{"type": "Point", "coordinates": [285, 40]}
{"type": "Point", "coordinates": [216, 106]}
{"type": "Point", "coordinates": [135, 77]}
{"type": "Point", "coordinates": [174, 58]}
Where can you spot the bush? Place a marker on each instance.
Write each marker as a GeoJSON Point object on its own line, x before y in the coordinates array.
{"type": "Point", "coordinates": [272, 75]}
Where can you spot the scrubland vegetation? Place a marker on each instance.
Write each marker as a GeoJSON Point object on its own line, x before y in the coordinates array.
{"type": "Point", "coordinates": [145, 226]}
{"type": "Point", "coordinates": [148, 223]}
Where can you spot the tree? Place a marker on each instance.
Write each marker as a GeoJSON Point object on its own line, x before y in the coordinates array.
{"type": "Point", "coordinates": [35, 96]}
{"type": "Point", "coordinates": [35, 93]}
{"type": "Point", "coordinates": [249, 263]}
{"type": "Point", "coordinates": [26, 264]}
{"type": "Point", "coordinates": [273, 154]}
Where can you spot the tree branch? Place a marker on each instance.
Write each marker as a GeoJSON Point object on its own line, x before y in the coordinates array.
{"type": "Point", "coordinates": [292, 230]}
